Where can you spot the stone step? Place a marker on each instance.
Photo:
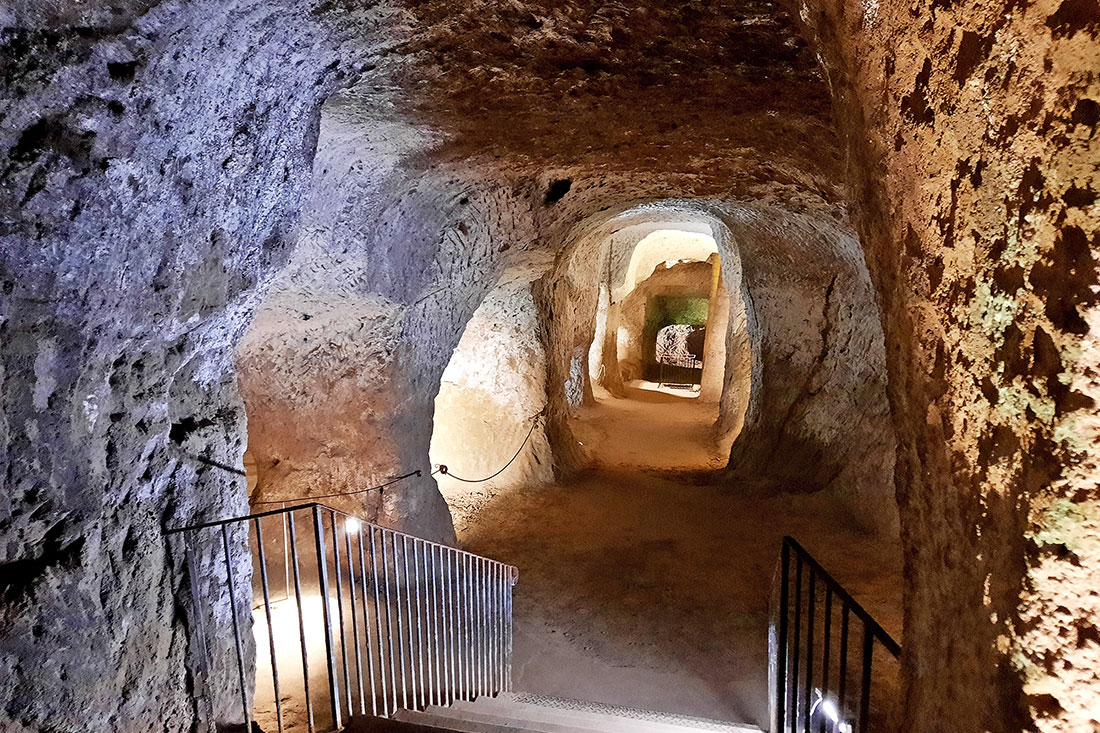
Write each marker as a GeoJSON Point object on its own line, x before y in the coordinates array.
{"type": "Point", "coordinates": [602, 717]}
{"type": "Point", "coordinates": [464, 721]}
{"type": "Point", "coordinates": [511, 713]}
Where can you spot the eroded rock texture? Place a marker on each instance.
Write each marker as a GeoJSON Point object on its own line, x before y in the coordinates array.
{"type": "Point", "coordinates": [152, 162]}
{"type": "Point", "coordinates": [986, 269]}
{"type": "Point", "coordinates": [488, 427]}
{"type": "Point", "coordinates": [818, 415]}
{"type": "Point", "coordinates": [157, 165]}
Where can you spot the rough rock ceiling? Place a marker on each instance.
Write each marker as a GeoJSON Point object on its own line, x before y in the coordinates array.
{"type": "Point", "coordinates": [723, 90]}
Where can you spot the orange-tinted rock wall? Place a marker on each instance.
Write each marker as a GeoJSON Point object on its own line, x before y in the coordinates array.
{"type": "Point", "coordinates": [975, 167]}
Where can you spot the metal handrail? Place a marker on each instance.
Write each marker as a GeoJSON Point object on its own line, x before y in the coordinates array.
{"type": "Point", "coordinates": [795, 709]}
{"type": "Point", "coordinates": [405, 622]}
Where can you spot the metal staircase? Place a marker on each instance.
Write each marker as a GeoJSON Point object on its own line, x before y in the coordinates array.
{"type": "Point", "coordinates": [360, 628]}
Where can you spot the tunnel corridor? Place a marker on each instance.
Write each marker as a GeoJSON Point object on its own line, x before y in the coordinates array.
{"type": "Point", "coordinates": [644, 584]}
{"type": "Point", "coordinates": [396, 271]}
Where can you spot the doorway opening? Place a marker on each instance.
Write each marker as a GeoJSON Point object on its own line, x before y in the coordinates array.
{"type": "Point", "coordinates": [679, 328]}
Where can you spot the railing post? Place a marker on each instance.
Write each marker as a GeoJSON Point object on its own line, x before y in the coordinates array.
{"type": "Point", "coordinates": [330, 652]}
{"type": "Point", "coordinates": [841, 706]}
{"type": "Point", "coordinates": [811, 599]}
{"type": "Point", "coordinates": [781, 645]}
{"type": "Point", "coordinates": [301, 618]}
{"type": "Point", "coordinates": [236, 626]}
{"type": "Point", "coordinates": [354, 624]}
{"type": "Point", "coordinates": [825, 657]}
{"type": "Point", "coordinates": [270, 631]}
{"type": "Point", "coordinates": [865, 683]}
{"type": "Point", "coordinates": [793, 677]}
{"type": "Point", "coordinates": [340, 610]}
{"type": "Point", "coordinates": [512, 578]}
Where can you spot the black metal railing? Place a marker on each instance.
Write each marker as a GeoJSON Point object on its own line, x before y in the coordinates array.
{"type": "Point", "coordinates": [347, 618]}
{"type": "Point", "coordinates": [817, 686]}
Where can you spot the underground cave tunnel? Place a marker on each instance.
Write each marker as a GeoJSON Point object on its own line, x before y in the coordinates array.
{"type": "Point", "coordinates": [419, 365]}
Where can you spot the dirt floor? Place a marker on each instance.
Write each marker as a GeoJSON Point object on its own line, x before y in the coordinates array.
{"type": "Point", "coordinates": [642, 584]}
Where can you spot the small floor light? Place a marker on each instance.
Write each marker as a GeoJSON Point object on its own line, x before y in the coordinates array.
{"type": "Point", "coordinates": [830, 712]}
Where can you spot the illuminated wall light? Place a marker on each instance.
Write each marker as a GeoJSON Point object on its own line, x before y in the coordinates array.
{"type": "Point", "coordinates": [352, 525]}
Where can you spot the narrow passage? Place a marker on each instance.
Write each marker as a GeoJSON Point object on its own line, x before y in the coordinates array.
{"type": "Point", "coordinates": [642, 583]}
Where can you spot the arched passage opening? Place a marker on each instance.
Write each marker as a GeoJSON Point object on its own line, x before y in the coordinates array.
{"type": "Point", "coordinates": [488, 430]}
{"type": "Point", "coordinates": [673, 277]}
{"type": "Point", "coordinates": [632, 274]}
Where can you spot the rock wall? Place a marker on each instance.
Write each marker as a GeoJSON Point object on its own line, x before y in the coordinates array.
{"type": "Point", "coordinates": [974, 159]}
{"type": "Point", "coordinates": [818, 416]}
{"type": "Point", "coordinates": [152, 162]}
{"type": "Point", "coordinates": [155, 158]}
{"type": "Point", "coordinates": [341, 368]}
{"type": "Point", "coordinates": [490, 410]}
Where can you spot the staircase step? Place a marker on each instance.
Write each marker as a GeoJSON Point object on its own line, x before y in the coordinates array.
{"type": "Point", "coordinates": [534, 715]}
{"type": "Point", "coordinates": [596, 717]}
{"type": "Point", "coordinates": [479, 711]}
{"type": "Point", "coordinates": [522, 712]}
{"type": "Point", "coordinates": [461, 721]}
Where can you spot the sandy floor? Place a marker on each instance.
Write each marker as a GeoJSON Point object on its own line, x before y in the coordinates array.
{"type": "Point", "coordinates": [643, 585]}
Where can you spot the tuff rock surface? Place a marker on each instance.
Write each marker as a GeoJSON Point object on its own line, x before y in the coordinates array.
{"type": "Point", "coordinates": [167, 171]}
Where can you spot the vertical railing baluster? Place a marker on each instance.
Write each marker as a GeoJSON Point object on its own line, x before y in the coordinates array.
{"type": "Point", "coordinates": [489, 630]}
{"type": "Point", "coordinates": [326, 606]}
{"type": "Point", "coordinates": [452, 625]}
{"type": "Point", "coordinates": [464, 571]}
{"type": "Point", "coordinates": [419, 626]}
{"type": "Point", "coordinates": [479, 630]}
{"type": "Point", "coordinates": [432, 650]}
{"type": "Point", "coordinates": [501, 591]}
{"type": "Point", "coordinates": [471, 641]}
{"type": "Point", "coordinates": [236, 625]}
{"type": "Point", "coordinates": [511, 634]}
{"type": "Point", "coordinates": [797, 641]}
{"type": "Point", "coordinates": [408, 645]}
{"type": "Point", "coordinates": [301, 619]}
{"type": "Point", "coordinates": [487, 594]}
{"type": "Point", "coordinates": [475, 637]}
{"type": "Point", "coordinates": [865, 682]}
{"type": "Point", "coordinates": [270, 630]}
{"type": "Point", "coordinates": [286, 555]}
{"type": "Point", "coordinates": [498, 573]}
{"type": "Point", "coordinates": [463, 661]}
{"type": "Point", "coordinates": [841, 706]}
{"type": "Point", "coordinates": [808, 694]}
{"type": "Point", "coordinates": [825, 657]}
{"type": "Point", "coordinates": [382, 655]}
{"type": "Point", "coordinates": [340, 611]}
{"type": "Point", "coordinates": [447, 601]}
{"type": "Point", "coordinates": [782, 651]}
{"type": "Point", "coordinates": [460, 628]}
{"type": "Point", "coordinates": [354, 624]}
{"type": "Point", "coordinates": [482, 618]}
{"type": "Point", "coordinates": [366, 619]}
{"type": "Point", "coordinates": [437, 619]}
{"type": "Point", "coordinates": [400, 632]}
